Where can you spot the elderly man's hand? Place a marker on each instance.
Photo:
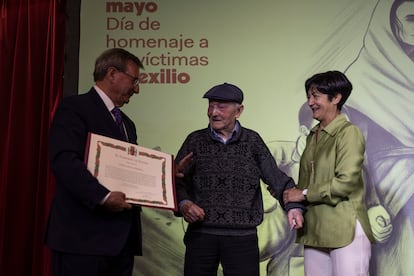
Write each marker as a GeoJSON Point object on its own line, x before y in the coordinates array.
{"type": "Point", "coordinates": [192, 212]}
{"type": "Point", "coordinates": [295, 218]}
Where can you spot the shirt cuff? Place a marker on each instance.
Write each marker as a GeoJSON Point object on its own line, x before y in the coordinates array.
{"type": "Point", "coordinates": [104, 199]}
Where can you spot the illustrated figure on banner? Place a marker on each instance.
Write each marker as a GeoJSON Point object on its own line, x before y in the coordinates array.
{"type": "Point", "coordinates": [381, 106]}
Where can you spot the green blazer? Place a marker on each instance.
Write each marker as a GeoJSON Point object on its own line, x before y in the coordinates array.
{"type": "Point", "coordinates": [331, 170]}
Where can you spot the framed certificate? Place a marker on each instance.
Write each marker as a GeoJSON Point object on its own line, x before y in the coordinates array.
{"type": "Point", "coordinates": [144, 175]}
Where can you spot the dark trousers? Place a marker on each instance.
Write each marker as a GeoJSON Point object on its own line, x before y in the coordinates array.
{"type": "Point", "coordinates": [64, 264]}
{"type": "Point", "coordinates": [238, 255]}
{"type": "Point", "coordinates": [122, 264]}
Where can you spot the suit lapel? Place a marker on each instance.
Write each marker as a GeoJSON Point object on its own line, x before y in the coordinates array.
{"type": "Point", "coordinates": [101, 111]}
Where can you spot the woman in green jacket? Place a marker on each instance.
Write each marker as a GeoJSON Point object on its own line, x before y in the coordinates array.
{"type": "Point", "coordinates": [336, 234]}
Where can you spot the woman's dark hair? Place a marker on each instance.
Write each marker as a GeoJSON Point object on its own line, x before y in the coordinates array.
{"type": "Point", "coordinates": [331, 83]}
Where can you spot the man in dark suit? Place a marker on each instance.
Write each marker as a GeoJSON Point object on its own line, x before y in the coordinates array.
{"type": "Point", "coordinates": [91, 230]}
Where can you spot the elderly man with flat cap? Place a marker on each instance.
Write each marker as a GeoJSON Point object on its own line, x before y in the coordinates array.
{"type": "Point", "coordinates": [219, 194]}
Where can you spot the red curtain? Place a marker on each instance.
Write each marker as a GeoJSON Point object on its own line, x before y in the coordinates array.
{"type": "Point", "coordinates": [32, 34]}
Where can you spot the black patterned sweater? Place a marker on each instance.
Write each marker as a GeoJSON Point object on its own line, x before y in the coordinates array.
{"type": "Point", "coordinates": [224, 180]}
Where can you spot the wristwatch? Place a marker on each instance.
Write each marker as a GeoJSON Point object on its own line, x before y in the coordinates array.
{"type": "Point", "coordinates": [305, 193]}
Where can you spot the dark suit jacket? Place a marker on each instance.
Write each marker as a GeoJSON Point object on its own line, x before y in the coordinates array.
{"type": "Point", "coordinates": [77, 222]}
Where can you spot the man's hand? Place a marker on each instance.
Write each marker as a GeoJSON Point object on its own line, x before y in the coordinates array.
{"type": "Point", "coordinates": [295, 218]}
{"type": "Point", "coordinates": [116, 202]}
{"type": "Point", "coordinates": [192, 212]}
{"type": "Point", "coordinates": [180, 167]}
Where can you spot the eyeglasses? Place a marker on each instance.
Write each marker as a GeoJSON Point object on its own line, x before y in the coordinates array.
{"type": "Point", "coordinates": [135, 81]}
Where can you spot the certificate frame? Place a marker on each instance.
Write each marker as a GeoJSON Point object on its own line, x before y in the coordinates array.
{"type": "Point", "coordinates": [144, 175]}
